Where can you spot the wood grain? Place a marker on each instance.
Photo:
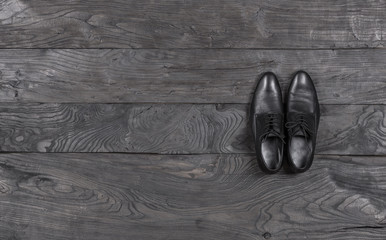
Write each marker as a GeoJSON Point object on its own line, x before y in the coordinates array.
{"type": "Point", "coordinates": [124, 196]}
{"type": "Point", "coordinates": [185, 76]}
{"type": "Point", "coordinates": [141, 110]}
{"type": "Point", "coordinates": [174, 128]}
{"type": "Point", "coordinates": [192, 24]}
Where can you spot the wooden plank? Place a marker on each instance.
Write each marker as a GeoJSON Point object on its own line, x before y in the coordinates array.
{"type": "Point", "coordinates": [174, 128]}
{"type": "Point", "coordinates": [123, 196]}
{"type": "Point", "coordinates": [192, 24]}
{"type": "Point", "coordinates": [185, 76]}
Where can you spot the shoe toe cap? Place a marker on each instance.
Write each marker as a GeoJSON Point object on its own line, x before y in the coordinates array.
{"type": "Point", "coordinates": [268, 83]}
{"type": "Point", "coordinates": [267, 96]}
{"type": "Point", "coordinates": [302, 82]}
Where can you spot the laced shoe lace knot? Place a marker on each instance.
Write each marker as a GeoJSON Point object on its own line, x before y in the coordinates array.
{"type": "Point", "coordinates": [272, 123]}
{"type": "Point", "coordinates": [300, 123]}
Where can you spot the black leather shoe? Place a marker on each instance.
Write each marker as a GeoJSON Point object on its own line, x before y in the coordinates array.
{"type": "Point", "coordinates": [302, 121]}
{"type": "Point", "coordinates": [267, 119]}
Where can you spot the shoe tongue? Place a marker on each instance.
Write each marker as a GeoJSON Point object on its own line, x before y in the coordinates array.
{"type": "Point", "coordinates": [298, 133]}
{"type": "Point", "coordinates": [271, 135]}
{"type": "Point", "coordinates": [276, 129]}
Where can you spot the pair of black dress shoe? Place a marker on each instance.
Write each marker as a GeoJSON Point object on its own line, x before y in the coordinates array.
{"type": "Point", "coordinates": [294, 126]}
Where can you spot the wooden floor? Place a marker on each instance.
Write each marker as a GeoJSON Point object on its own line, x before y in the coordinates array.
{"type": "Point", "coordinates": [127, 119]}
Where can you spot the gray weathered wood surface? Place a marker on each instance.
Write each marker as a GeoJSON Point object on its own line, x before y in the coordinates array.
{"type": "Point", "coordinates": [174, 128]}
{"type": "Point", "coordinates": [141, 109]}
{"type": "Point", "coordinates": [192, 24]}
{"type": "Point", "coordinates": [189, 76]}
{"type": "Point", "coordinates": [121, 196]}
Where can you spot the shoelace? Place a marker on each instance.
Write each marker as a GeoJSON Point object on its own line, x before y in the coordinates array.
{"type": "Point", "coordinates": [272, 123]}
{"type": "Point", "coordinates": [301, 124]}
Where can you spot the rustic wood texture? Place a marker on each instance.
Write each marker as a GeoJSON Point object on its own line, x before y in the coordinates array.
{"type": "Point", "coordinates": [185, 76]}
{"type": "Point", "coordinates": [141, 110]}
{"type": "Point", "coordinates": [192, 24]}
{"type": "Point", "coordinates": [174, 128]}
{"type": "Point", "coordinates": [123, 196]}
